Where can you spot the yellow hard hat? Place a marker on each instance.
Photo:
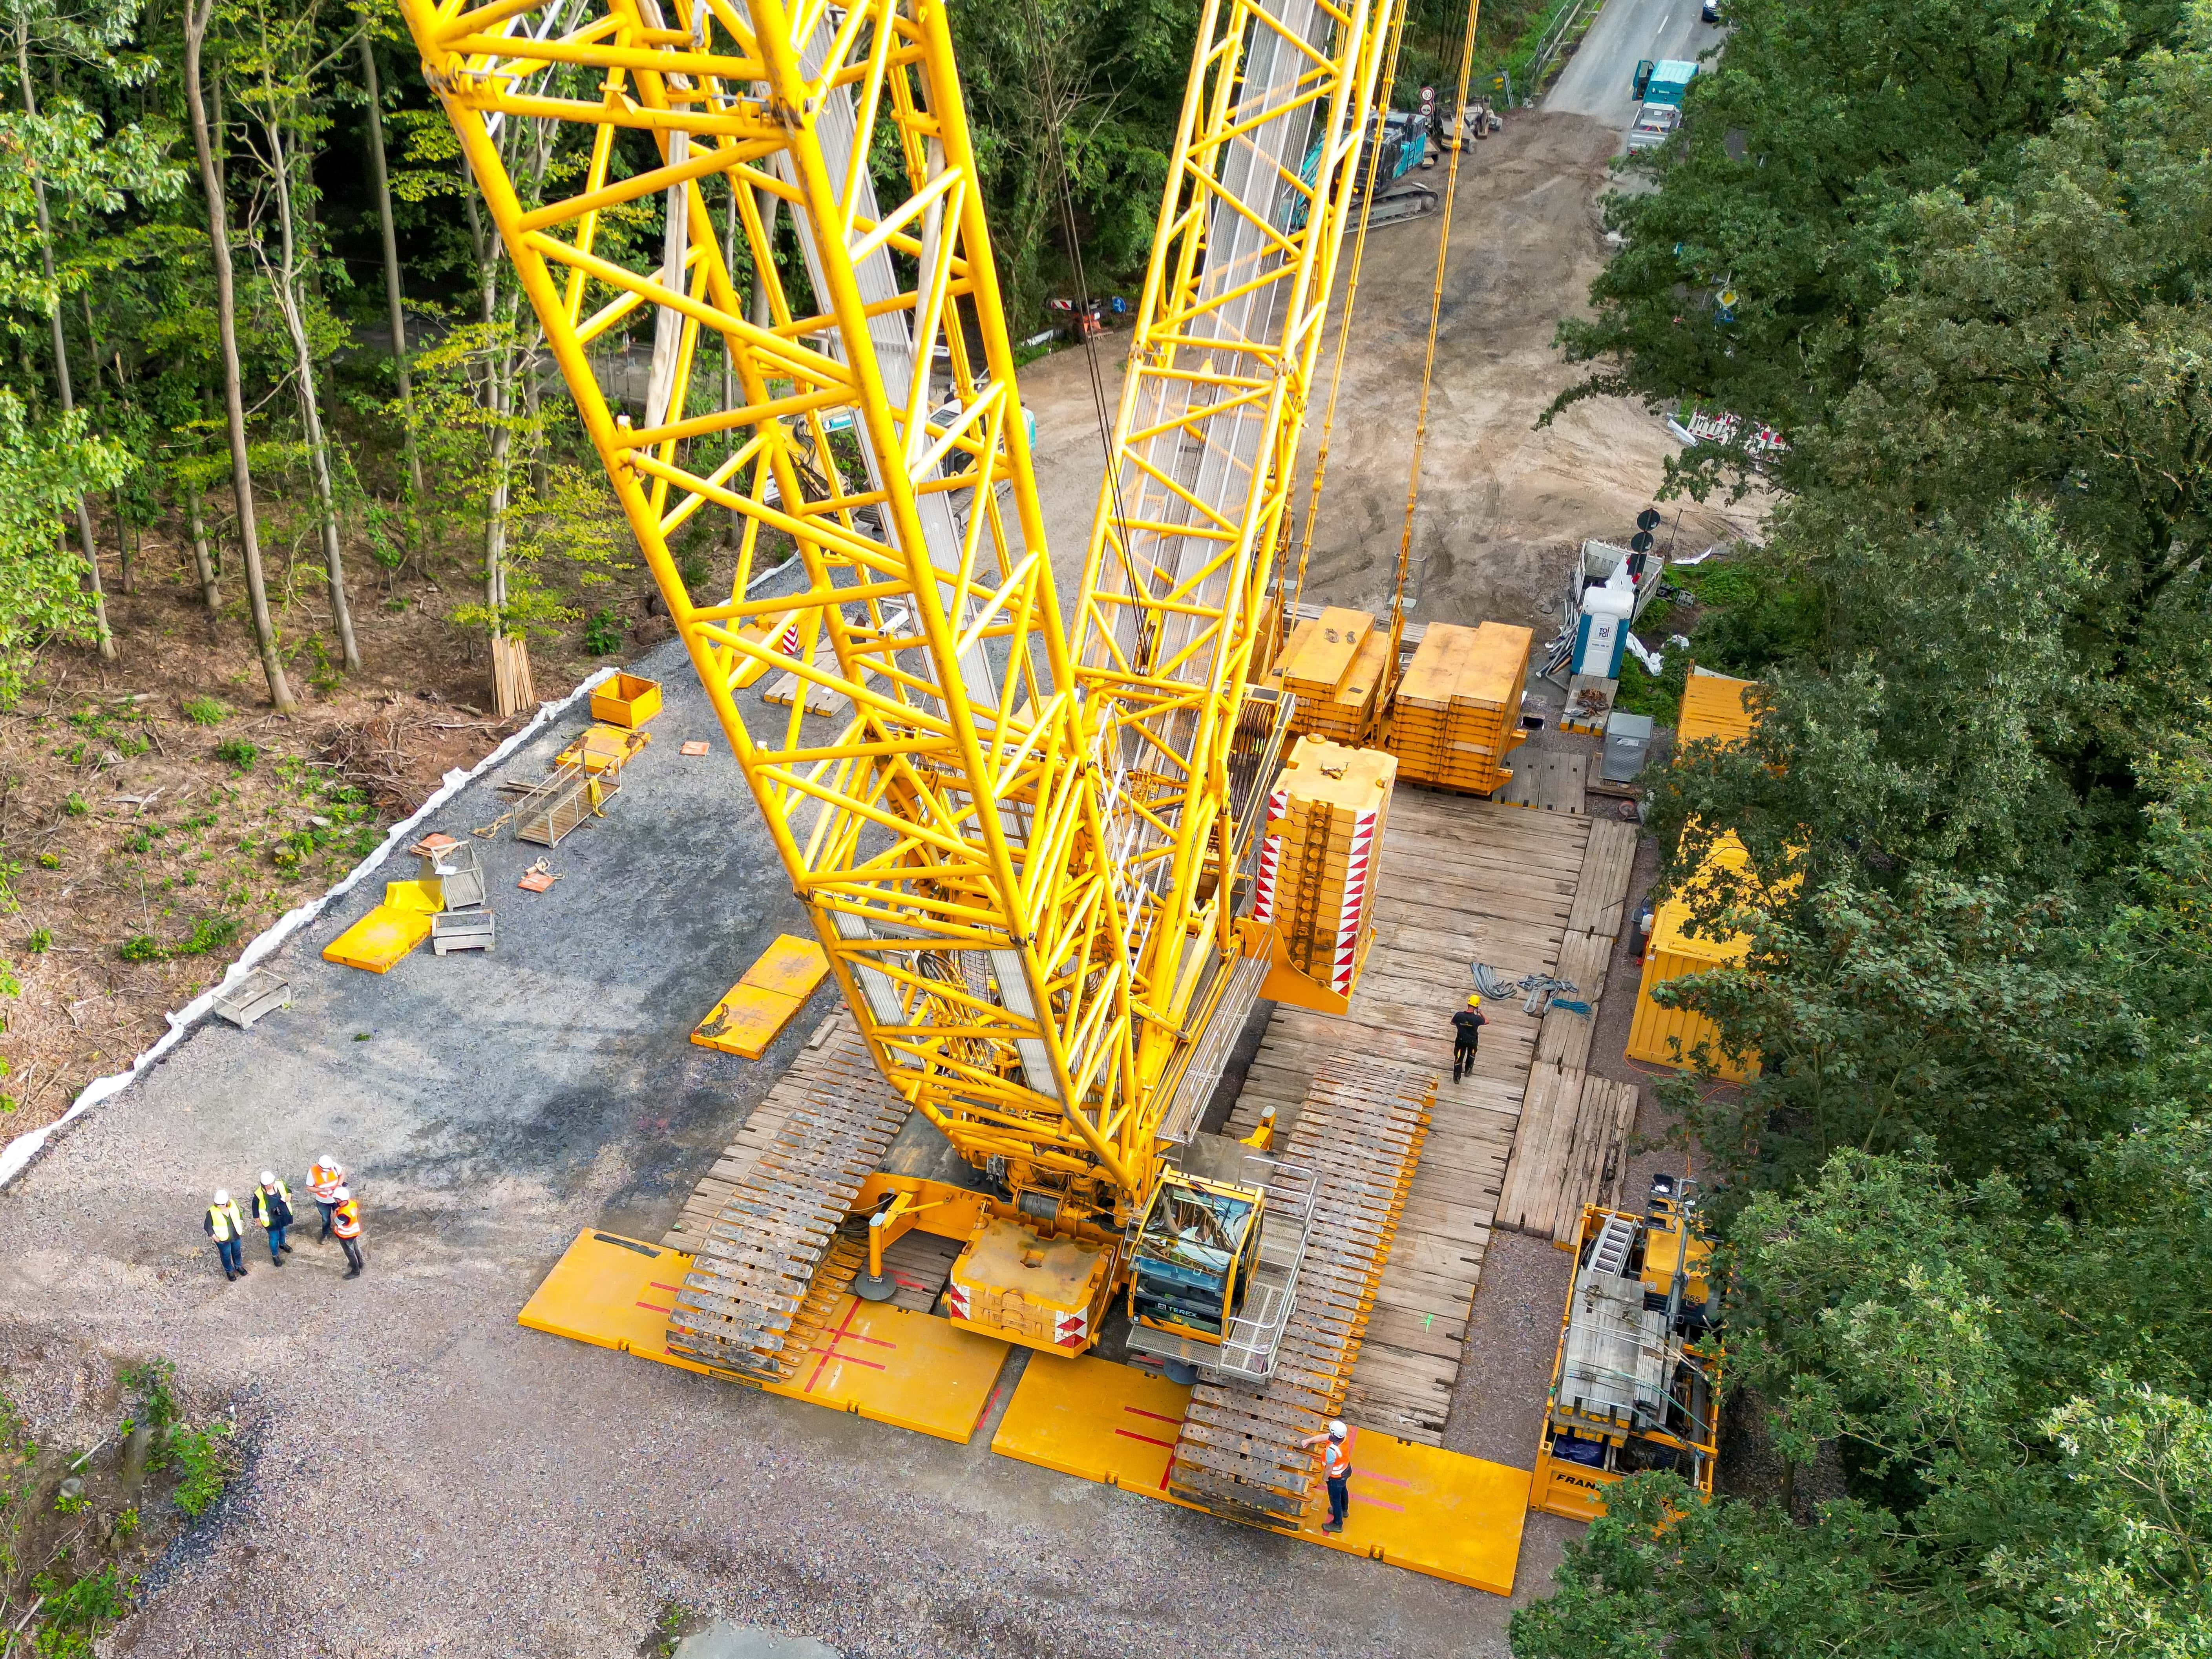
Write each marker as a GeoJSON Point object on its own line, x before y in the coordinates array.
{"type": "Point", "coordinates": [1474, 1001]}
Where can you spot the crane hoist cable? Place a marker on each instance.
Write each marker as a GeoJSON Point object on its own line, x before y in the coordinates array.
{"type": "Point", "coordinates": [1429, 363]}
{"type": "Point", "coordinates": [1344, 329]}
{"type": "Point", "coordinates": [1067, 192]}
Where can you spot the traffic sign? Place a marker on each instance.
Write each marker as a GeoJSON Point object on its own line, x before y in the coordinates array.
{"type": "Point", "coordinates": [1648, 519]}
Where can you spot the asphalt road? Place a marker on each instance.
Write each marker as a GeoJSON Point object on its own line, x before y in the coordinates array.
{"type": "Point", "coordinates": [1597, 80]}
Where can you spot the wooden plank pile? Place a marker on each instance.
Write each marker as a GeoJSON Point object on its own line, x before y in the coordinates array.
{"type": "Point", "coordinates": [1324, 831]}
{"type": "Point", "coordinates": [1569, 1147]}
{"type": "Point", "coordinates": [1335, 664]}
{"type": "Point", "coordinates": [1457, 713]}
{"type": "Point", "coordinates": [769, 1267]}
{"type": "Point", "coordinates": [1360, 1130]}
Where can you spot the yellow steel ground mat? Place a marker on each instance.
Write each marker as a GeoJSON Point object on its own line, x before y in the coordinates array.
{"type": "Point", "coordinates": [380, 938]}
{"type": "Point", "coordinates": [1091, 1417]}
{"type": "Point", "coordinates": [428, 895]}
{"type": "Point", "coordinates": [1414, 1506]}
{"type": "Point", "coordinates": [744, 1022]}
{"type": "Point", "coordinates": [910, 1369]}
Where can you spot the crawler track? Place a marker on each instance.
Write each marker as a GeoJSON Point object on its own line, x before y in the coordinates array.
{"type": "Point", "coordinates": [1360, 1130]}
{"type": "Point", "coordinates": [770, 1268]}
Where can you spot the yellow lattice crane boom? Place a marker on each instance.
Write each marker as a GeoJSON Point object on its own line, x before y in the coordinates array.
{"type": "Point", "coordinates": [1020, 847]}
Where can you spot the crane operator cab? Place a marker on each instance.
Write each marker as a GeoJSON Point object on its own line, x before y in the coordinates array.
{"type": "Point", "coordinates": [1194, 1258]}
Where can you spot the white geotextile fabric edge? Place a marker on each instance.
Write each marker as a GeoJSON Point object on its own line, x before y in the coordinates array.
{"type": "Point", "coordinates": [20, 1151]}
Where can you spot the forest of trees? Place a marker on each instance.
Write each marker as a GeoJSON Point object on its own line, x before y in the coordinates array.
{"type": "Point", "coordinates": [1966, 1206]}
{"type": "Point", "coordinates": [247, 296]}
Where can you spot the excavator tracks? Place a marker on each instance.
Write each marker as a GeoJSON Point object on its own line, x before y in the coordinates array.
{"type": "Point", "coordinates": [1360, 1131]}
{"type": "Point", "coordinates": [769, 1270]}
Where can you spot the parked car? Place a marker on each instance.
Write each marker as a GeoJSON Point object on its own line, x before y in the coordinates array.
{"type": "Point", "coordinates": [1643, 79]}
{"type": "Point", "coordinates": [1654, 124]}
{"type": "Point", "coordinates": [1710, 11]}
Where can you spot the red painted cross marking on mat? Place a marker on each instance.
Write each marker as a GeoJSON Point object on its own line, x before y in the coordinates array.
{"type": "Point", "coordinates": [651, 1307]}
{"type": "Point", "coordinates": [1131, 1434]}
{"type": "Point", "coordinates": [1377, 1503]}
{"type": "Point", "coordinates": [1157, 1417]}
{"type": "Point", "coordinates": [829, 1352]}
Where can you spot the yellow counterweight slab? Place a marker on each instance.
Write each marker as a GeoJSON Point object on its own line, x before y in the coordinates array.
{"type": "Point", "coordinates": [910, 1369]}
{"type": "Point", "coordinates": [380, 938]}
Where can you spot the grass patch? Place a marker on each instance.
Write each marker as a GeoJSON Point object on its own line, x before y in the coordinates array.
{"type": "Point", "coordinates": [205, 711]}
{"type": "Point", "coordinates": [238, 751]}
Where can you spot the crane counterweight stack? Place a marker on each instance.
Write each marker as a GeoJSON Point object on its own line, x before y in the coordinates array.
{"type": "Point", "coordinates": [1023, 851]}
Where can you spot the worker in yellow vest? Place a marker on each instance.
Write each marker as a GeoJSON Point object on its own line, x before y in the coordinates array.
{"type": "Point", "coordinates": [1336, 1466]}
{"type": "Point", "coordinates": [345, 1222]}
{"type": "Point", "coordinates": [272, 1211]}
{"type": "Point", "coordinates": [324, 1177]}
{"type": "Point", "coordinates": [227, 1227]}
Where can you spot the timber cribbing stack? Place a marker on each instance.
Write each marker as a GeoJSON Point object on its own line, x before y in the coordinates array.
{"type": "Point", "coordinates": [1359, 1130]}
{"type": "Point", "coordinates": [770, 1268]}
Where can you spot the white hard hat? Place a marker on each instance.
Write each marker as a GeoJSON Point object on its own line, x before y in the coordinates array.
{"type": "Point", "coordinates": [344, 1192]}
{"type": "Point", "coordinates": [327, 1161]}
{"type": "Point", "coordinates": [268, 1177]}
{"type": "Point", "coordinates": [222, 1195]}
{"type": "Point", "coordinates": [1337, 1430]}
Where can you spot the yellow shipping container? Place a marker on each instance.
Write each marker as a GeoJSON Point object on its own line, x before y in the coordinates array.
{"type": "Point", "coordinates": [1713, 706]}
{"type": "Point", "coordinates": [1654, 1031]}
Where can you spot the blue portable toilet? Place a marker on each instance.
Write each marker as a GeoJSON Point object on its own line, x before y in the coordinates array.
{"type": "Point", "coordinates": [1602, 636]}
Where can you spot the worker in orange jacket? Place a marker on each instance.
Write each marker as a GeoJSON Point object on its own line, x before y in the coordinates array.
{"type": "Point", "coordinates": [345, 1222]}
{"type": "Point", "coordinates": [1336, 1466]}
{"type": "Point", "coordinates": [324, 1177]}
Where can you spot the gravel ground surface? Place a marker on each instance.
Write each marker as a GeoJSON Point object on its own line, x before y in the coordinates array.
{"type": "Point", "coordinates": [425, 1476]}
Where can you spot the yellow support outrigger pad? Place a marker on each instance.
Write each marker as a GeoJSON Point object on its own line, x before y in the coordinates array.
{"type": "Point", "coordinates": [776, 987]}
{"type": "Point", "coordinates": [1413, 1506]}
{"type": "Point", "coordinates": [910, 1369]}
{"type": "Point", "coordinates": [380, 938]}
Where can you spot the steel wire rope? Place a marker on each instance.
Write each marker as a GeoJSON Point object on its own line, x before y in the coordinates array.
{"type": "Point", "coordinates": [1436, 315]}
{"type": "Point", "coordinates": [1058, 160]}
{"type": "Point", "coordinates": [1138, 927]}
{"type": "Point", "coordinates": [1343, 326]}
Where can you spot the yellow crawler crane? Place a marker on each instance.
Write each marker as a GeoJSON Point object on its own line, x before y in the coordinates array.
{"type": "Point", "coordinates": [1021, 847]}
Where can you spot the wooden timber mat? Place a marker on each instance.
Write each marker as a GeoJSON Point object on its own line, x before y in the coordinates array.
{"type": "Point", "coordinates": [1461, 879]}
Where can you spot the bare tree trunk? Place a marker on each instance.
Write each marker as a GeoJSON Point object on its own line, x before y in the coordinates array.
{"type": "Point", "coordinates": [85, 542]}
{"type": "Point", "coordinates": [287, 284]}
{"type": "Point", "coordinates": [392, 294]}
{"type": "Point", "coordinates": [201, 558]}
{"type": "Point", "coordinates": [197, 15]}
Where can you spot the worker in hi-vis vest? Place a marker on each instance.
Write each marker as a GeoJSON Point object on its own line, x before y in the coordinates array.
{"type": "Point", "coordinates": [324, 1177]}
{"type": "Point", "coordinates": [272, 1209]}
{"type": "Point", "coordinates": [345, 1222]}
{"type": "Point", "coordinates": [224, 1224]}
{"type": "Point", "coordinates": [1336, 1465]}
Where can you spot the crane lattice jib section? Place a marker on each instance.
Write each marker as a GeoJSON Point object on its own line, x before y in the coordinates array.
{"type": "Point", "coordinates": [947, 836]}
{"type": "Point", "coordinates": [1206, 436]}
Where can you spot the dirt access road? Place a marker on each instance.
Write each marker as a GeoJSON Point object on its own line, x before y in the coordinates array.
{"type": "Point", "coordinates": [1503, 505]}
